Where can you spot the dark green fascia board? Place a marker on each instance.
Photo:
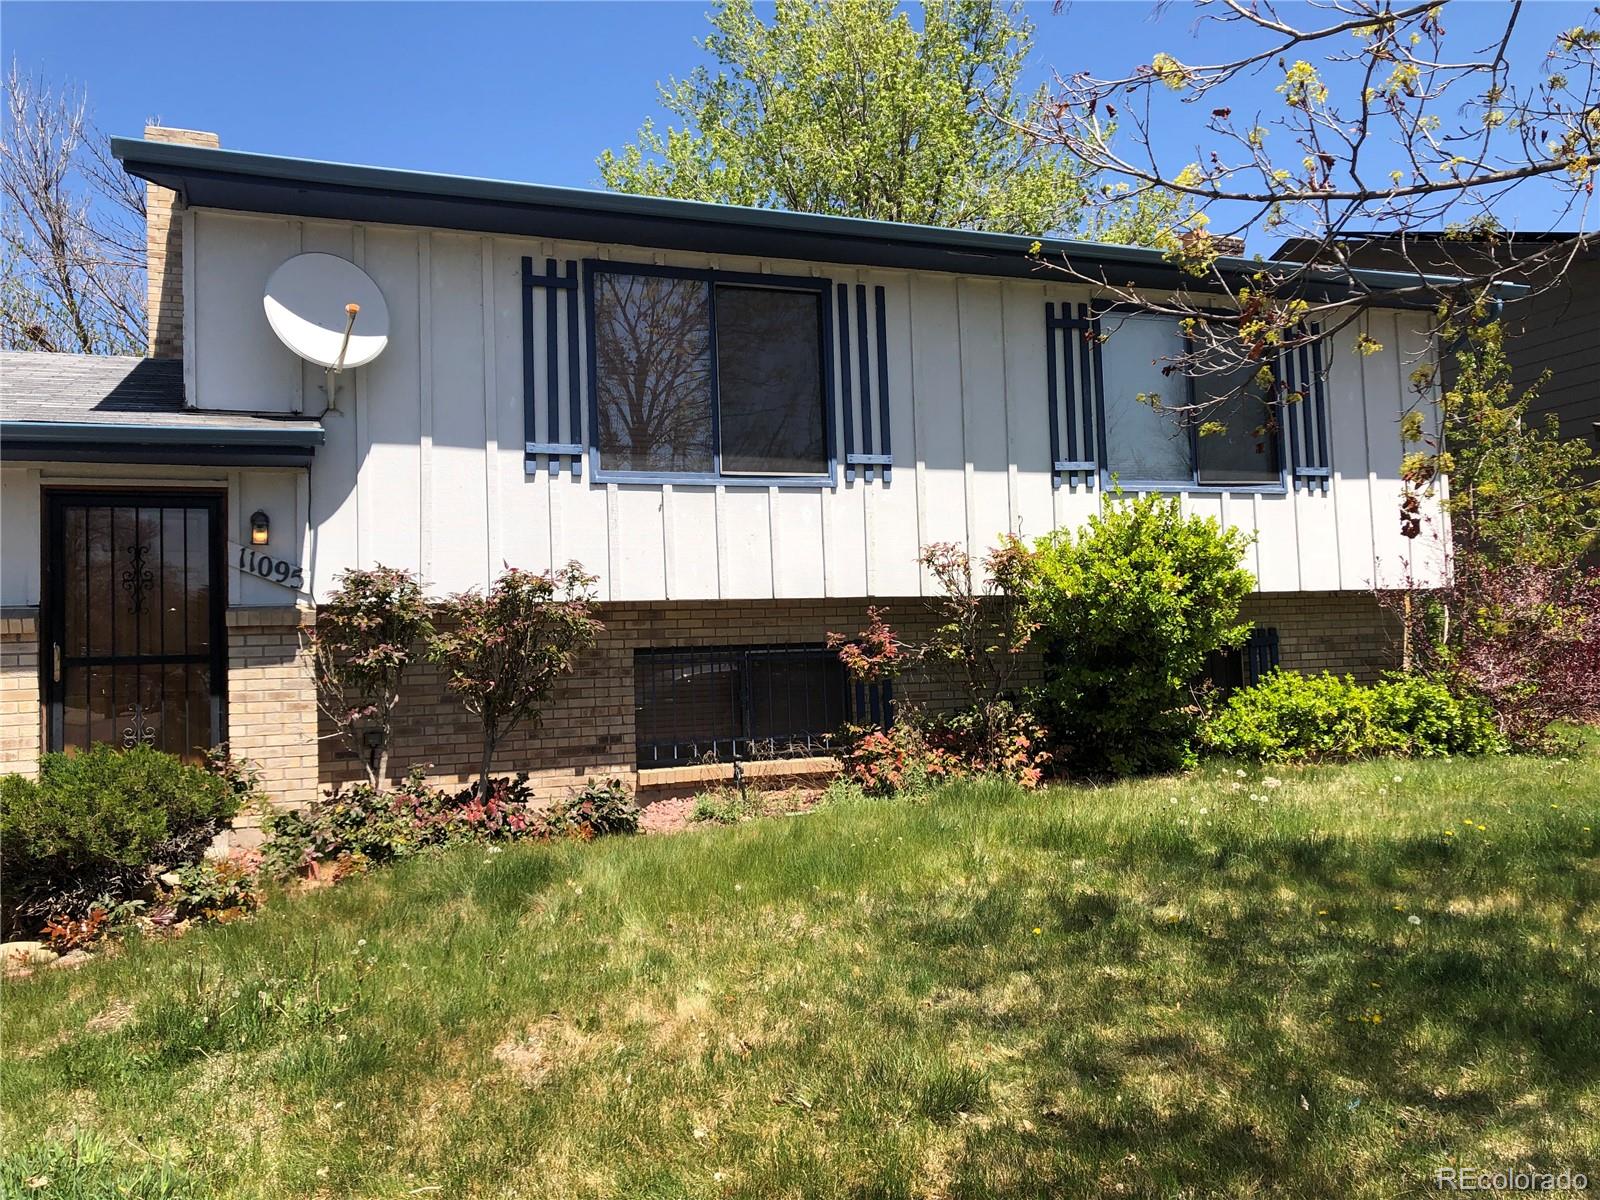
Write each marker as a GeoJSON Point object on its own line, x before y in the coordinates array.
{"type": "Point", "coordinates": [232, 179]}
{"type": "Point", "coordinates": [296, 436]}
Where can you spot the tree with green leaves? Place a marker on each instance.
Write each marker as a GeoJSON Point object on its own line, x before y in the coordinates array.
{"type": "Point", "coordinates": [847, 107]}
{"type": "Point", "coordinates": [1516, 620]}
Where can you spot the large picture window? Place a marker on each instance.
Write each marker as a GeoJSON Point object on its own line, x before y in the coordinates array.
{"type": "Point", "coordinates": [706, 375]}
{"type": "Point", "coordinates": [1147, 443]}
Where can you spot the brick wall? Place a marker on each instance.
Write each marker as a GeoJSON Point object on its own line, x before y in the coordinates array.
{"type": "Point", "coordinates": [20, 728]}
{"type": "Point", "coordinates": [588, 727]}
{"type": "Point", "coordinates": [164, 249]}
{"type": "Point", "coordinates": [272, 704]}
{"type": "Point", "coordinates": [1343, 632]}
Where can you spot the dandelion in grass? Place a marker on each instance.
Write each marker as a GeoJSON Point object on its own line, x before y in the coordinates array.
{"type": "Point", "coordinates": [1271, 781]}
{"type": "Point", "coordinates": [1037, 931]}
{"type": "Point", "coordinates": [1413, 919]}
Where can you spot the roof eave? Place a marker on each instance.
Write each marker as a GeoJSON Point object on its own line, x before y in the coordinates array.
{"type": "Point", "coordinates": [299, 437]}
{"type": "Point", "coordinates": [230, 179]}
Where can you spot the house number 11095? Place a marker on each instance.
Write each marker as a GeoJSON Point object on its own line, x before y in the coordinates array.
{"type": "Point", "coordinates": [273, 570]}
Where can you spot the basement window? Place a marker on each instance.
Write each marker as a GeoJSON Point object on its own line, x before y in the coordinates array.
{"type": "Point", "coordinates": [710, 704]}
{"type": "Point", "coordinates": [1227, 671]}
{"type": "Point", "coordinates": [712, 376]}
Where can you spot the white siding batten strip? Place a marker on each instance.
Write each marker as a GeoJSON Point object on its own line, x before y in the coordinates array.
{"type": "Point", "coordinates": [491, 417]}
{"type": "Point", "coordinates": [425, 406]}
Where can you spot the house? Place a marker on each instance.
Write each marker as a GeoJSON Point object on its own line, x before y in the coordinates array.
{"type": "Point", "coordinates": [745, 422]}
{"type": "Point", "coordinates": [1550, 327]}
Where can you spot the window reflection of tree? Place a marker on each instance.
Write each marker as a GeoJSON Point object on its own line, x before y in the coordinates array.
{"type": "Point", "coordinates": [769, 381]}
{"type": "Point", "coordinates": [653, 372]}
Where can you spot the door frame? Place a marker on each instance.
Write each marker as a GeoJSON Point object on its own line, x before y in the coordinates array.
{"type": "Point", "coordinates": [52, 595]}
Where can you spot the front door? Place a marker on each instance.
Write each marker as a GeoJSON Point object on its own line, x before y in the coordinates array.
{"type": "Point", "coordinates": [135, 648]}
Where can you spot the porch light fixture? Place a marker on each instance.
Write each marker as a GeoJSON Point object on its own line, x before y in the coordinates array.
{"type": "Point", "coordinates": [260, 528]}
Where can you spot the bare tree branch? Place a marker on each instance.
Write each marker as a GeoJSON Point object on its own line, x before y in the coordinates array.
{"type": "Point", "coordinates": [72, 240]}
{"type": "Point", "coordinates": [1459, 132]}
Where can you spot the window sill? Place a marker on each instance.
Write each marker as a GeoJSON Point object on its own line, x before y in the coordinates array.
{"type": "Point", "coordinates": [761, 768]}
{"type": "Point", "coordinates": [811, 482]}
{"type": "Point", "coordinates": [1197, 489]}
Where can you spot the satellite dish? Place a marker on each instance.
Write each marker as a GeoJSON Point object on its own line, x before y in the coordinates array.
{"type": "Point", "coordinates": [327, 310]}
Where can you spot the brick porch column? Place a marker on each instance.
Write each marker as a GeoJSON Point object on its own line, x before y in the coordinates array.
{"type": "Point", "coordinates": [19, 691]}
{"type": "Point", "coordinates": [272, 701]}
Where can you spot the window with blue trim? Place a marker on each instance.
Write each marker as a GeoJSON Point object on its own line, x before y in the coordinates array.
{"type": "Point", "coordinates": [711, 376]}
{"type": "Point", "coordinates": [1235, 444]}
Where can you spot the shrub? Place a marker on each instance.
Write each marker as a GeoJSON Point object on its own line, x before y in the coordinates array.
{"type": "Point", "coordinates": [1423, 718]}
{"type": "Point", "coordinates": [601, 806]}
{"type": "Point", "coordinates": [358, 825]}
{"type": "Point", "coordinates": [1129, 607]}
{"type": "Point", "coordinates": [221, 889]}
{"type": "Point", "coordinates": [1289, 717]}
{"type": "Point", "coordinates": [883, 762]}
{"type": "Point", "coordinates": [722, 806]}
{"type": "Point", "coordinates": [96, 822]}
{"type": "Point", "coordinates": [365, 824]}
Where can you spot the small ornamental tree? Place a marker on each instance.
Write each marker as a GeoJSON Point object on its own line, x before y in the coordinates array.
{"type": "Point", "coordinates": [1130, 606]}
{"type": "Point", "coordinates": [984, 626]}
{"type": "Point", "coordinates": [1515, 617]}
{"type": "Point", "coordinates": [367, 635]}
{"type": "Point", "coordinates": [503, 650]}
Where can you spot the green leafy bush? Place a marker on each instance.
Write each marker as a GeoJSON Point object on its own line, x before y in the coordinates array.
{"type": "Point", "coordinates": [360, 825]}
{"type": "Point", "coordinates": [1289, 717]}
{"type": "Point", "coordinates": [94, 824]}
{"type": "Point", "coordinates": [1128, 608]}
{"type": "Point", "coordinates": [600, 807]}
{"type": "Point", "coordinates": [1423, 718]}
{"type": "Point", "coordinates": [722, 806]}
{"type": "Point", "coordinates": [372, 825]}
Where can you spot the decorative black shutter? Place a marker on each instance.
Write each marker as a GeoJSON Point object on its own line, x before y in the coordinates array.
{"type": "Point", "coordinates": [1305, 421]}
{"type": "Point", "coordinates": [856, 380]}
{"type": "Point", "coordinates": [1073, 374]}
{"type": "Point", "coordinates": [561, 297]}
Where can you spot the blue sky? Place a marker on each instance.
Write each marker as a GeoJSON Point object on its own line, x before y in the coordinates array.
{"type": "Point", "coordinates": [518, 91]}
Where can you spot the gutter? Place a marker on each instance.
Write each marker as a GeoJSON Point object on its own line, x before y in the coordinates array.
{"type": "Point", "coordinates": [289, 184]}
{"type": "Point", "coordinates": [296, 436]}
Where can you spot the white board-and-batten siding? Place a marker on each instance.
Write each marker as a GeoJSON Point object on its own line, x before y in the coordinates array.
{"type": "Point", "coordinates": [423, 466]}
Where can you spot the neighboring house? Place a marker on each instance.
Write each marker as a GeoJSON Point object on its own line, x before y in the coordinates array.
{"type": "Point", "coordinates": [1553, 329]}
{"type": "Point", "coordinates": [745, 422]}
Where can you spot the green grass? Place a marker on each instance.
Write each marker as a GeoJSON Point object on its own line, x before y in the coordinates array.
{"type": "Point", "coordinates": [1176, 988]}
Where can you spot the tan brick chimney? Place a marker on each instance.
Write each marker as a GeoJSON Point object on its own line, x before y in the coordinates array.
{"type": "Point", "coordinates": [164, 248]}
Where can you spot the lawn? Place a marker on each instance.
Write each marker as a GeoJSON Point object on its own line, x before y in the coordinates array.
{"type": "Point", "coordinates": [1331, 982]}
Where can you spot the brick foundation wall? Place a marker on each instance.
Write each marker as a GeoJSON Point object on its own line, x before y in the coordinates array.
{"type": "Point", "coordinates": [1348, 633]}
{"type": "Point", "coordinates": [588, 727]}
{"type": "Point", "coordinates": [272, 702]}
{"type": "Point", "coordinates": [20, 728]}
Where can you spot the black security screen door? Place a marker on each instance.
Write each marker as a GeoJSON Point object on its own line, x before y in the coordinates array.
{"type": "Point", "coordinates": [136, 649]}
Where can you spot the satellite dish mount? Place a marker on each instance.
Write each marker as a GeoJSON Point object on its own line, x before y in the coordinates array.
{"type": "Point", "coordinates": [329, 312]}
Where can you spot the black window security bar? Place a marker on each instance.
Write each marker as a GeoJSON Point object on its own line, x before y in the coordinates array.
{"type": "Point", "coordinates": [699, 704]}
{"type": "Point", "coordinates": [1228, 670]}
